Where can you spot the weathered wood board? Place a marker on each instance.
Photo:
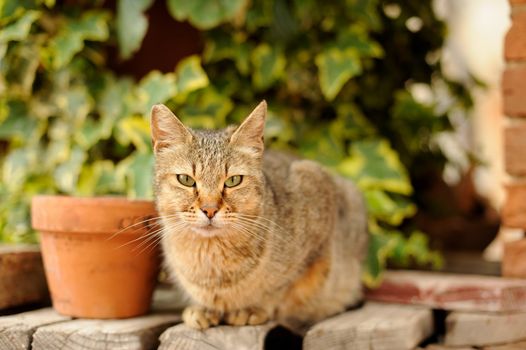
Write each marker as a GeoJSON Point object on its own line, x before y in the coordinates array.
{"type": "Point", "coordinates": [16, 331]}
{"type": "Point", "coordinates": [22, 278]}
{"type": "Point", "coordinates": [480, 329]}
{"type": "Point", "coordinates": [452, 291]}
{"type": "Point", "coordinates": [139, 333]}
{"type": "Point", "coordinates": [513, 346]}
{"type": "Point", "coordinates": [375, 326]}
{"type": "Point", "coordinates": [227, 338]}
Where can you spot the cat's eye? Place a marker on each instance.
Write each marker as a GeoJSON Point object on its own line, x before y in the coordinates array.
{"type": "Point", "coordinates": [185, 180]}
{"type": "Point", "coordinates": [233, 181]}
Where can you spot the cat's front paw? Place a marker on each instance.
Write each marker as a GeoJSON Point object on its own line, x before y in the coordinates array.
{"type": "Point", "coordinates": [199, 317]}
{"type": "Point", "coordinates": [249, 316]}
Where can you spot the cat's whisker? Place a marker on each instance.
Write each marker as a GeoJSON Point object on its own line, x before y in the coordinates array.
{"type": "Point", "coordinates": [261, 218]}
{"type": "Point", "coordinates": [247, 231]}
{"type": "Point", "coordinates": [149, 239]}
{"type": "Point", "coordinates": [285, 236]}
{"type": "Point", "coordinates": [145, 238]}
{"type": "Point", "coordinates": [152, 245]}
{"type": "Point", "coordinates": [151, 233]}
{"type": "Point", "coordinates": [157, 238]}
{"type": "Point", "coordinates": [142, 222]}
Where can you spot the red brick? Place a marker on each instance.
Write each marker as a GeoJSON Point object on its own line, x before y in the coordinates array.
{"type": "Point", "coordinates": [513, 2]}
{"type": "Point", "coordinates": [451, 291]}
{"type": "Point", "coordinates": [514, 259]}
{"type": "Point", "coordinates": [515, 150]}
{"type": "Point", "coordinates": [514, 91]}
{"type": "Point", "coordinates": [514, 210]}
{"type": "Point", "coordinates": [515, 42]}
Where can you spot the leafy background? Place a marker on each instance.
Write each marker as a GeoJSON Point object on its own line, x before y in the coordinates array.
{"type": "Point", "coordinates": [341, 79]}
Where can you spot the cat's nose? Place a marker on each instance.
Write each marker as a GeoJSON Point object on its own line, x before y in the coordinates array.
{"type": "Point", "coordinates": [210, 210]}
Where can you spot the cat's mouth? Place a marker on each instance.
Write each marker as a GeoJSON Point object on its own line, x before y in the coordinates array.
{"type": "Point", "coordinates": [207, 231]}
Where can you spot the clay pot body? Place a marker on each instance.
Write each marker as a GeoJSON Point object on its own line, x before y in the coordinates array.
{"type": "Point", "coordinates": [95, 266]}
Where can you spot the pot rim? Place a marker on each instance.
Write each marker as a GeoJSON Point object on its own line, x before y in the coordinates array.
{"type": "Point", "coordinates": [98, 214]}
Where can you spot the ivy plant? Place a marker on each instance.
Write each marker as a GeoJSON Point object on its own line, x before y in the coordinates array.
{"type": "Point", "coordinates": [339, 78]}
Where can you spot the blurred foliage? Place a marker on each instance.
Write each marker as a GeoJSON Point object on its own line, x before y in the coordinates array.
{"type": "Point", "coordinates": [341, 79]}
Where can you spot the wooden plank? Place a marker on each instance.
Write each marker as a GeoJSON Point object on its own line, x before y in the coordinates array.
{"type": "Point", "coordinates": [451, 291]}
{"type": "Point", "coordinates": [139, 333]}
{"type": "Point", "coordinates": [375, 326]}
{"type": "Point", "coordinates": [22, 278]}
{"type": "Point", "coordinates": [513, 346]}
{"type": "Point", "coordinates": [16, 331]}
{"type": "Point", "coordinates": [444, 347]}
{"type": "Point", "coordinates": [228, 337]}
{"type": "Point", "coordinates": [480, 329]}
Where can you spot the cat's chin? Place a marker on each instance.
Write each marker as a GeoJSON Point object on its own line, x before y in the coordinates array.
{"type": "Point", "coordinates": [207, 231]}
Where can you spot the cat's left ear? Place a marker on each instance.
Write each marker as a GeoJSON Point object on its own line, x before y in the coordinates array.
{"type": "Point", "coordinates": [250, 132]}
{"type": "Point", "coordinates": [167, 129]}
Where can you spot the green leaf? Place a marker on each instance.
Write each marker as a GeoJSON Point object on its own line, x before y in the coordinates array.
{"type": "Point", "coordinates": [66, 175]}
{"type": "Point", "coordinates": [323, 145]}
{"type": "Point", "coordinates": [135, 130]}
{"type": "Point", "coordinates": [205, 14]}
{"type": "Point", "coordinates": [19, 30]}
{"type": "Point", "coordinates": [131, 25]}
{"type": "Point", "coordinates": [351, 122]}
{"type": "Point", "coordinates": [99, 178]}
{"type": "Point", "coordinates": [89, 134]}
{"type": "Point", "coordinates": [18, 165]}
{"type": "Point", "coordinates": [416, 122]}
{"type": "Point", "coordinates": [93, 25]}
{"type": "Point", "coordinates": [392, 210]}
{"type": "Point", "coordinates": [356, 38]}
{"type": "Point", "coordinates": [269, 66]}
{"type": "Point", "coordinates": [335, 68]}
{"type": "Point", "coordinates": [58, 151]}
{"type": "Point", "coordinates": [137, 169]}
{"type": "Point", "coordinates": [380, 247]}
{"type": "Point", "coordinates": [155, 88]}
{"type": "Point", "coordinates": [190, 75]}
{"type": "Point", "coordinates": [416, 249]}
{"type": "Point", "coordinates": [75, 103]}
{"type": "Point", "coordinates": [373, 164]}
{"type": "Point", "coordinates": [18, 125]}
{"type": "Point", "coordinates": [20, 69]}
{"type": "Point", "coordinates": [206, 108]}
{"type": "Point", "coordinates": [113, 103]}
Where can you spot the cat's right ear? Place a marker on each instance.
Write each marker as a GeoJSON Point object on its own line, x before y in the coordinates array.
{"type": "Point", "coordinates": [167, 129]}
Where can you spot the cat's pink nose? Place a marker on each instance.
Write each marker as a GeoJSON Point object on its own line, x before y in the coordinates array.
{"type": "Point", "coordinates": [210, 210]}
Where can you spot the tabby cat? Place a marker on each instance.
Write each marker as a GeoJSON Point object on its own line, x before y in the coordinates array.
{"type": "Point", "coordinates": [253, 235]}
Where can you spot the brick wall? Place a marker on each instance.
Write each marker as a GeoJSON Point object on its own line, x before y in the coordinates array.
{"type": "Point", "coordinates": [514, 95]}
{"type": "Point", "coordinates": [514, 100]}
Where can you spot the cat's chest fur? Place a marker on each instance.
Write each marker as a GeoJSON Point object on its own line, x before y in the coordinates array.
{"type": "Point", "coordinates": [215, 262]}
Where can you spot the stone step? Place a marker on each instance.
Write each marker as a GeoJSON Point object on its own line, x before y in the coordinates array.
{"type": "Point", "coordinates": [22, 278]}
{"type": "Point", "coordinates": [375, 326]}
{"type": "Point", "coordinates": [451, 291]}
{"type": "Point", "coordinates": [481, 329]}
{"type": "Point", "coordinates": [139, 333]}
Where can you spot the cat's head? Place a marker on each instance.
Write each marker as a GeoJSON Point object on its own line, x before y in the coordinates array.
{"type": "Point", "coordinates": [208, 180]}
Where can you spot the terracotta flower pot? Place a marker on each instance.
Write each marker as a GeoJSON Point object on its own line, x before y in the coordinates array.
{"type": "Point", "coordinates": [95, 267]}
